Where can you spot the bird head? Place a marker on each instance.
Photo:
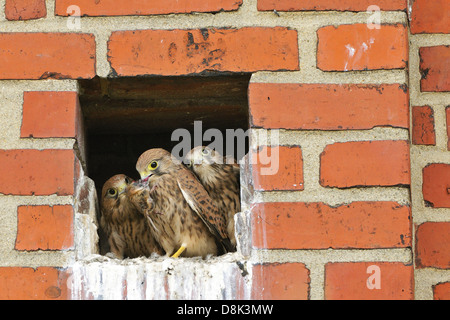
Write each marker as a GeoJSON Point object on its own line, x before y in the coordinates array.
{"type": "Point", "coordinates": [154, 162]}
{"type": "Point", "coordinates": [202, 155]}
{"type": "Point", "coordinates": [114, 187]}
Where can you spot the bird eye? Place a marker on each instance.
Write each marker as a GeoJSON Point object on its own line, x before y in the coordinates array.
{"type": "Point", "coordinates": [153, 165]}
{"type": "Point", "coordinates": [112, 192]}
{"type": "Point", "coordinates": [205, 151]}
{"type": "Point", "coordinates": [188, 164]}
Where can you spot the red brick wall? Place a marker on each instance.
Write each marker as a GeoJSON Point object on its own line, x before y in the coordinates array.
{"type": "Point", "coordinates": [430, 138]}
{"type": "Point", "coordinates": [339, 204]}
{"type": "Point", "coordinates": [344, 5]}
{"type": "Point", "coordinates": [136, 7]}
{"type": "Point", "coordinates": [383, 48]}
{"type": "Point", "coordinates": [43, 283]}
{"type": "Point", "coordinates": [25, 9]}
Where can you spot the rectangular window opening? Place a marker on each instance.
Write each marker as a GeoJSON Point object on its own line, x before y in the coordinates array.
{"type": "Point", "coordinates": [123, 117]}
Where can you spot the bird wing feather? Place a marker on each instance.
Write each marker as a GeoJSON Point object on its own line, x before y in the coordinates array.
{"type": "Point", "coordinates": [200, 202]}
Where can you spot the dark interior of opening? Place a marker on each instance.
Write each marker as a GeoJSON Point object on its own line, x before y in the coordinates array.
{"type": "Point", "coordinates": [123, 117]}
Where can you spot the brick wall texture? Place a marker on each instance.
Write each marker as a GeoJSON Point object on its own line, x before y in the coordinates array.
{"type": "Point", "coordinates": [358, 207]}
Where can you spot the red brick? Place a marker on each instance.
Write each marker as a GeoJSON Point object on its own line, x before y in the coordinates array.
{"type": "Point", "coordinates": [441, 291]}
{"type": "Point", "coordinates": [44, 228]}
{"type": "Point", "coordinates": [278, 168]}
{"type": "Point", "coordinates": [365, 163]}
{"type": "Point", "coordinates": [139, 7]}
{"type": "Point", "coordinates": [319, 5]}
{"type": "Point", "coordinates": [328, 106]}
{"type": "Point", "coordinates": [448, 127]}
{"type": "Point", "coordinates": [47, 55]}
{"type": "Point", "coordinates": [436, 185]}
{"type": "Point", "coordinates": [49, 114]}
{"type": "Point", "coordinates": [280, 281]}
{"type": "Point", "coordinates": [435, 68]}
{"type": "Point", "coordinates": [432, 249]}
{"type": "Point", "coordinates": [356, 47]}
{"type": "Point", "coordinates": [423, 126]}
{"type": "Point", "coordinates": [44, 283]}
{"type": "Point", "coordinates": [430, 16]}
{"type": "Point", "coordinates": [296, 225]}
{"type": "Point", "coordinates": [181, 52]}
{"type": "Point", "coordinates": [349, 281]}
{"type": "Point", "coordinates": [25, 9]}
{"type": "Point", "coordinates": [37, 172]}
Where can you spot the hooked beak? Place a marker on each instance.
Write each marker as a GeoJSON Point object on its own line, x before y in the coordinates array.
{"type": "Point", "coordinates": [197, 161]}
{"type": "Point", "coordinates": [145, 176]}
{"type": "Point", "coordinates": [122, 188]}
{"type": "Point", "coordinates": [191, 164]}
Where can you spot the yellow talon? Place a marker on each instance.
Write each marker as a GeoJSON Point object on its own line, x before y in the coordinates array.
{"type": "Point", "coordinates": [180, 251]}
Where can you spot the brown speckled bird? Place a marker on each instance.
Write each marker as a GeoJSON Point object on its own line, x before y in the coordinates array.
{"type": "Point", "coordinates": [128, 232]}
{"type": "Point", "coordinates": [185, 220]}
{"type": "Point", "coordinates": [220, 177]}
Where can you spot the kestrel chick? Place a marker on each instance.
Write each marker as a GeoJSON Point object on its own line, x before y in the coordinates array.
{"type": "Point", "coordinates": [185, 219]}
{"type": "Point", "coordinates": [128, 232]}
{"type": "Point", "coordinates": [220, 177]}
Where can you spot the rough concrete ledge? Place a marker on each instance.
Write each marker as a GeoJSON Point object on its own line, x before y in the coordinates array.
{"type": "Point", "coordinates": [160, 278]}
